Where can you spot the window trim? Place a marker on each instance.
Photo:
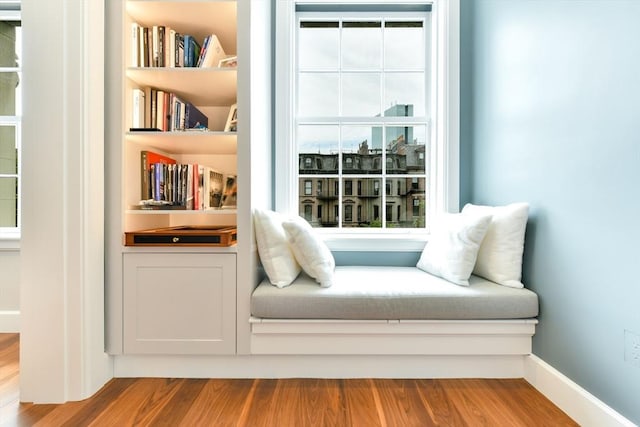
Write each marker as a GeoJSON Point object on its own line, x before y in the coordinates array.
{"type": "Point", "coordinates": [10, 236]}
{"type": "Point", "coordinates": [445, 146]}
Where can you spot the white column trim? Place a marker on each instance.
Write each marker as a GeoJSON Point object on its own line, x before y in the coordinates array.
{"type": "Point", "coordinates": [62, 247]}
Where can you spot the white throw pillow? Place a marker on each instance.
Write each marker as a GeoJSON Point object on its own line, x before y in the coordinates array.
{"type": "Point", "coordinates": [500, 254]}
{"type": "Point", "coordinates": [273, 247]}
{"type": "Point", "coordinates": [310, 251]}
{"type": "Point", "coordinates": [453, 246]}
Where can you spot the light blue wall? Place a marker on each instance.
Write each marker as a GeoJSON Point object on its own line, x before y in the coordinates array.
{"type": "Point", "coordinates": [551, 115]}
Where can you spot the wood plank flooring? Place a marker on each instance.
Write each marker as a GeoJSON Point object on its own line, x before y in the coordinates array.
{"type": "Point", "coordinates": [283, 402]}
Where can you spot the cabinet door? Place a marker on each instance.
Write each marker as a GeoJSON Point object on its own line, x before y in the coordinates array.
{"type": "Point", "coordinates": [178, 303]}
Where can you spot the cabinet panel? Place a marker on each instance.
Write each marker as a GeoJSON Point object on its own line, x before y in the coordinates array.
{"type": "Point", "coordinates": [179, 303]}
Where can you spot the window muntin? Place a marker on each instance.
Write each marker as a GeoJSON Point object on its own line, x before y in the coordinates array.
{"type": "Point", "coordinates": [349, 108]}
{"type": "Point", "coordinates": [10, 119]}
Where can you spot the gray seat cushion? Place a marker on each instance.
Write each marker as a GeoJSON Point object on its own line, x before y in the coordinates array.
{"type": "Point", "coordinates": [390, 293]}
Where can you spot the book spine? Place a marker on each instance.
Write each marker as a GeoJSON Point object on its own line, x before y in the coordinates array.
{"type": "Point", "coordinates": [159, 109]}
{"type": "Point", "coordinates": [161, 42]}
{"type": "Point", "coordinates": [155, 36]}
{"type": "Point", "coordinates": [203, 51]}
{"type": "Point", "coordinates": [144, 47]}
{"type": "Point", "coordinates": [171, 48]}
{"type": "Point", "coordinates": [135, 45]}
{"type": "Point", "coordinates": [137, 121]}
{"type": "Point", "coordinates": [196, 187]}
{"type": "Point", "coordinates": [179, 50]}
{"type": "Point", "coordinates": [187, 50]}
{"type": "Point", "coordinates": [144, 176]}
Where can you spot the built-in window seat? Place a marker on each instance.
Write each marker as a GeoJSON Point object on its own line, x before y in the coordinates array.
{"type": "Point", "coordinates": [383, 310]}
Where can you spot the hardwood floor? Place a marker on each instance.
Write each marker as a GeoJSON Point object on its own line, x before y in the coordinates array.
{"type": "Point", "coordinates": [283, 402]}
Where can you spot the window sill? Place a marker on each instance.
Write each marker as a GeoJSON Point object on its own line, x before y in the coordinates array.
{"type": "Point", "coordinates": [9, 243]}
{"type": "Point", "coordinates": [358, 242]}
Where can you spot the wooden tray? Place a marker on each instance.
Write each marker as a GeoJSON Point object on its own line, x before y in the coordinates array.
{"type": "Point", "coordinates": [183, 236]}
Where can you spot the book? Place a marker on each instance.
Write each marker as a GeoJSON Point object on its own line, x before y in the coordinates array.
{"type": "Point", "coordinates": [135, 44]}
{"type": "Point", "coordinates": [191, 51]}
{"type": "Point", "coordinates": [138, 107]}
{"type": "Point", "coordinates": [212, 53]}
{"type": "Point", "coordinates": [155, 45]}
{"type": "Point", "coordinates": [194, 118]}
{"type": "Point", "coordinates": [179, 50]}
{"type": "Point", "coordinates": [147, 160]}
{"type": "Point", "coordinates": [170, 48]}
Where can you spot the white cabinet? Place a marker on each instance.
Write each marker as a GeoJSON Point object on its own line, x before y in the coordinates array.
{"type": "Point", "coordinates": [179, 303]}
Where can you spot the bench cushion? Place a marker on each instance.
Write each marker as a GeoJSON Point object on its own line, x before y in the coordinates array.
{"type": "Point", "coordinates": [390, 293]}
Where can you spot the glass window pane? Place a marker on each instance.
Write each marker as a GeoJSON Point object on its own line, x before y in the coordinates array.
{"type": "Point", "coordinates": [404, 46]}
{"type": "Point", "coordinates": [406, 203]}
{"type": "Point", "coordinates": [319, 45]}
{"type": "Point", "coordinates": [406, 149]}
{"type": "Point", "coordinates": [8, 93]}
{"type": "Point", "coordinates": [8, 202]}
{"type": "Point", "coordinates": [361, 45]}
{"type": "Point", "coordinates": [361, 150]}
{"type": "Point", "coordinates": [361, 94]}
{"type": "Point", "coordinates": [9, 43]}
{"type": "Point", "coordinates": [405, 94]}
{"type": "Point", "coordinates": [320, 207]}
{"type": "Point", "coordinates": [8, 150]}
{"type": "Point", "coordinates": [317, 149]}
{"type": "Point", "coordinates": [317, 94]}
{"type": "Point", "coordinates": [364, 196]}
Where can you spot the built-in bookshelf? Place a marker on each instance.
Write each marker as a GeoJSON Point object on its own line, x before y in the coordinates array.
{"type": "Point", "coordinates": [159, 84]}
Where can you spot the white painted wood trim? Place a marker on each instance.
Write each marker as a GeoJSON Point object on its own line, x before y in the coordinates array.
{"type": "Point", "coordinates": [320, 366]}
{"type": "Point", "coordinates": [9, 321]}
{"type": "Point", "coordinates": [586, 409]}
{"type": "Point", "coordinates": [384, 337]}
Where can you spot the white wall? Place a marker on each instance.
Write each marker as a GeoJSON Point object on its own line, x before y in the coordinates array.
{"type": "Point", "coordinates": [9, 290]}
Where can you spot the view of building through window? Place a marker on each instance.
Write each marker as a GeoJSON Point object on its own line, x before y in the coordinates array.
{"type": "Point", "coordinates": [362, 132]}
{"type": "Point", "coordinates": [10, 112]}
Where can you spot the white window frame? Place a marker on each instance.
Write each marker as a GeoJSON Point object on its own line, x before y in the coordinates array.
{"type": "Point", "coordinates": [444, 195]}
{"type": "Point", "coordinates": [10, 236]}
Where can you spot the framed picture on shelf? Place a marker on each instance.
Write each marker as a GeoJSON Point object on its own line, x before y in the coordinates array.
{"type": "Point", "coordinates": [232, 119]}
{"type": "Point", "coordinates": [228, 62]}
{"type": "Point", "coordinates": [230, 192]}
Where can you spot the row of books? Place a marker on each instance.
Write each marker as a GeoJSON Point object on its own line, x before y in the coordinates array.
{"type": "Point", "coordinates": [162, 46]}
{"type": "Point", "coordinates": [155, 109]}
{"type": "Point", "coordinates": [166, 184]}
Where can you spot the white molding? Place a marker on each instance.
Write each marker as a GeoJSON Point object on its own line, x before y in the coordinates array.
{"type": "Point", "coordinates": [586, 409]}
{"type": "Point", "coordinates": [10, 321]}
{"type": "Point", "coordinates": [323, 366]}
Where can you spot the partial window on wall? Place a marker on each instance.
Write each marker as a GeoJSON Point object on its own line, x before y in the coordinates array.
{"type": "Point", "coordinates": [10, 118]}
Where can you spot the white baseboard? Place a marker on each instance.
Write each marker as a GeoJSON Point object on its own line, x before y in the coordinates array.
{"type": "Point", "coordinates": [326, 366]}
{"type": "Point", "coordinates": [579, 404]}
{"type": "Point", "coordinates": [9, 321]}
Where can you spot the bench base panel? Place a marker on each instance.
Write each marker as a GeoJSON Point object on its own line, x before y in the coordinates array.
{"type": "Point", "coordinates": [399, 337]}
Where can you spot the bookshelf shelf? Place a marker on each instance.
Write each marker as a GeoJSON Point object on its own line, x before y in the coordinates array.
{"type": "Point", "coordinates": [201, 86]}
{"type": "Point", "coordinates": [182, 212]}
{"type": "Point", "coordinates": [187, 142]}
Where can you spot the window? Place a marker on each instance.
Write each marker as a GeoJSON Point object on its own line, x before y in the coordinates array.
{"type": "Point", "coordinates": [307, 187]}
{"type": "Point", "coordinates": [372, 89]}
{"type": "Point", "coordinates": [10, 119]}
